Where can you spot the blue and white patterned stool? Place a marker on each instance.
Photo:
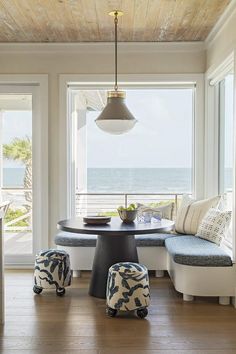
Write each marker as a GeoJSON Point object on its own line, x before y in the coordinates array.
{"type": "Point", "coordinates": [52, 271]}
{"type": "Point", "coordinates": [128, 289]}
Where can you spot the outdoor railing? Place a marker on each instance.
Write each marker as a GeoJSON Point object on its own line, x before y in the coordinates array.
{"type": "Point", "coordinates": [85, 204]}
{"type": "Point", "coordinates": [18, 202]}
{"type": "Point", "coordinates": [107, 203]}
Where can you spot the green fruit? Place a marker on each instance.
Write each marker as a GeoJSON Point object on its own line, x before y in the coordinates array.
{"type": "Point", "coordinates": [121, 208]}
{"type": "Point", "coordinates": [133, 206]}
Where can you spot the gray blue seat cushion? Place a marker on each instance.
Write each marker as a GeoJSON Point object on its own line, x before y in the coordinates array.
{"type": "Point", "coordinates": [70, 239]}
{"type": "Point", "coordinates": [194, 251]}
{"type": "Point", "coordinates": [150, 240]}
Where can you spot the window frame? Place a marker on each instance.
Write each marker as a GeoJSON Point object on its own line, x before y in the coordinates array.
{"type": "Point", "coordinates": [140, 81]}
{"type": "Point", "coordinates": [37, 85]}
{"type": "Point", "coordinates": [212, 135]}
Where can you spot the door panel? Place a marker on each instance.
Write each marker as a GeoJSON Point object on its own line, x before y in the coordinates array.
{"type": "Point", "coordinates": [18, 150]}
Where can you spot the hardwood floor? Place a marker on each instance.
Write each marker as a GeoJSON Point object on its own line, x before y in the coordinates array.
{"type": "Point", "coordinates": [76, 323]}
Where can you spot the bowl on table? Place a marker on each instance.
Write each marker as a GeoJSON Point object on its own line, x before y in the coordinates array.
{"type": "Point", "coordinates": [128, 216]}
{"type": "Point", "coordinates": [96, 220]}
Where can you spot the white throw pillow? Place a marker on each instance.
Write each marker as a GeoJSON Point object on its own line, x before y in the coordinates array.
{"type": "Point", "coordinates": [214, 225]}
{"type": "Point", "coordinates": [166, 210]}
{"type": "Point", "coordinates": [191, 212]}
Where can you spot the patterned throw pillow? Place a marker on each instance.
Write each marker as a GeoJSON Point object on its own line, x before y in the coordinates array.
{"type": "Point", "coordinates": [166, 210]}
{"type": "Point", "coordinates": [214, 225]}
{"type": "Point", "coordinates": [191, 212]}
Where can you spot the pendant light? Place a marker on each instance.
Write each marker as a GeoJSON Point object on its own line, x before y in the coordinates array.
{"type": "Point", "coordinates": [116, 117]}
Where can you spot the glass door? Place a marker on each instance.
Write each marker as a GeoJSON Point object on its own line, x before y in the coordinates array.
{"type": "Point", "coordinates": [17, 114]}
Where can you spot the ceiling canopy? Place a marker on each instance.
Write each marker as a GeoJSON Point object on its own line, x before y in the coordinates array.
{"type": "Point", "coordinates": [88, 20]}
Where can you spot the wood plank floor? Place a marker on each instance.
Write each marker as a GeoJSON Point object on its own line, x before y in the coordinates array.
{"type": "Point", "coordinates": [77, 323]}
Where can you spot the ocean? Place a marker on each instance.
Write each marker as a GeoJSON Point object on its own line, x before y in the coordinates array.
{"type": "Point", "coordinates": [126, 180]}
{"type": "Point", "coordinates": [139, 180]}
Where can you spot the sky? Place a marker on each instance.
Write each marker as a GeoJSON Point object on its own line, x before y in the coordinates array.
{"type": "Point", "coordinates": [15, 124]}
{"type": "Point", "coordinates": [161, 138]}
{"type": "Point", "coordinates": [228, 136]}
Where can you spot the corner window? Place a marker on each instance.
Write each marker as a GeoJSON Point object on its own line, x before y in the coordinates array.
{"type": "Point", "coordinates": [226, 142]}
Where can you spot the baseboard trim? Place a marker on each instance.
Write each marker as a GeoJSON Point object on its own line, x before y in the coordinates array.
{"type": "Point", "coordinates": [19, 266]}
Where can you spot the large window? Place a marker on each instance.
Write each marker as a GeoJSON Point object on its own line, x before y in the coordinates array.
{"type": "Point", "coordinates": [156, 156]}
{"type": "Point", "coordinates": [226, 142]}
{"type": "Point", "coordinates": [226, 130]}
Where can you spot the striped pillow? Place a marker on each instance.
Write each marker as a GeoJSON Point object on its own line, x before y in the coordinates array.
{"type": "Point", "coordinates": [191, 213]}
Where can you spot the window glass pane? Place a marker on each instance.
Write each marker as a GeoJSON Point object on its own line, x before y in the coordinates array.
{"type": "Point", "coordinates": [16, 171]}
{"type": "Point", "coordinates": [154, 157]}
{"type": "Point", "coordinates": [226, 137]}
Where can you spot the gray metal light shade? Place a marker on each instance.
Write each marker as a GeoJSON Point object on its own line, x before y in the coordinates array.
{"type": "Point", "coordinates": [116, 117]}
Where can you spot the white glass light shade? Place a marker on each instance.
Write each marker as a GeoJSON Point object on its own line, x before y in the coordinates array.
{"type": "Point", "coordinates": [116, 117]}
{"type": "Point", "coordinates": [115, 126]}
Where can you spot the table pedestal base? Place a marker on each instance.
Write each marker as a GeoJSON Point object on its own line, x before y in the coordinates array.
{"type": "Point", "coordinates": [110, 249]}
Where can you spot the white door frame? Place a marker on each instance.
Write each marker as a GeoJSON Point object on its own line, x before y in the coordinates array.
{"type": "Point", "coordinates": [38, 86]}
{"type": "Point", "coordinates": [125, 80]}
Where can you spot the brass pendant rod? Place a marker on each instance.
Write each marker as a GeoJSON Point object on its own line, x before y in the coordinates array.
{"type": "Point", "coordinates": [116, 22]}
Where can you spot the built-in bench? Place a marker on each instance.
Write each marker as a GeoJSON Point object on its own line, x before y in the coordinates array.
{"type": "Point", "coordinates": [194, 251]}
{"type": "Point", "coordinates": [76, 240]}
{"type": "Point", "coordinates": [197, 267]}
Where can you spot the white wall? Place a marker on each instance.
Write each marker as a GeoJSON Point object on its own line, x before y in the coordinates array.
{"type": "Point", "coordinates": [88, 59]}
{"type": "Point", "coordinates": [222, 44]}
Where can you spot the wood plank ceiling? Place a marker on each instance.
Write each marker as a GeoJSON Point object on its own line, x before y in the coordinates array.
{"type": "Point", "coordinates": [88, 20]}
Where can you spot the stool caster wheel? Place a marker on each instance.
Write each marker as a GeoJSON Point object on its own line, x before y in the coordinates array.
{"type": "Point", "coordinates": [111, 312]}
{"type": "Point", "coordinates": [60, 291]}
{"type": "Point", "coordinates": [37, 290]}
{"type": "Point", "coordinates": [142, 313]}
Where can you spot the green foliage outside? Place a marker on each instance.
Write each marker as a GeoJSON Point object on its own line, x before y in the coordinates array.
{"type": "Point", "coordinates": [13, 214]}
{"type": "Point", "coordinates": [162, 203]}
{"type": "Point", "coordinates": [152, 205]}
{"type": "Point", "coordinates": [108, 213]}
{"type": "Point", "coordinates": [19, 150]}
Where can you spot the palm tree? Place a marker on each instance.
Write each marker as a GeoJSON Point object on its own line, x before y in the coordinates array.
{"type": "Point", "coordinates": [21, 150]}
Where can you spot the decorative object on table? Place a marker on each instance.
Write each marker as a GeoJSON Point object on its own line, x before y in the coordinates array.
{"type": "Point", "coordinates": [191, 212]}
{"type": "Point", "coordinates": [52, 271]}
{"type": "Point", "coordinates": [96, 220]}
{"type": "Point", "coordinates": [147, 215]}
{"type": "Point", "coordinates": [156, 216]}
{"type": "Point", "coordinates": [128, 215]}
{"type": "Point", "coordinates": [128, 289]}
{"type": "Point", "coordinates": [214, 225]}
{"type": "Point", "coordinates": [166, 210]}
{"type": "Point", "coordinates": [116, 117]}
{"type": "Point", "coordinates": [144, 217]}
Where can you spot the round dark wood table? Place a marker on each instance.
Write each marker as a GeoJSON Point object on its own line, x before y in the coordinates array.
{"type": "Point", "coordinates": [115, 243]}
